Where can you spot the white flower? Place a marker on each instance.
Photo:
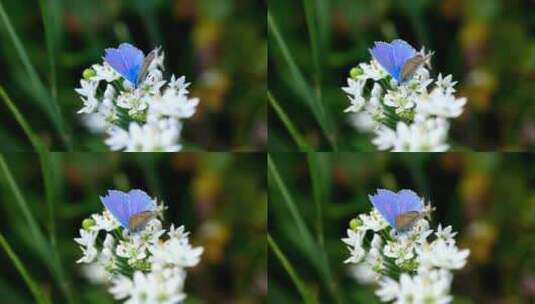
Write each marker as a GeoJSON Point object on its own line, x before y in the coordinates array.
{"type": "Point", "coordinates": [362, 273]}
{"type": "Point", "coordinates": [137, 118]}
{"type": "Point", "coordinates": [442, 254]}
{"type": "Point", "coordinates": [388, 289]}
{"type": "Point", "coordinates": [441, 104]}
{"type": "Point", "coordinates": [174, 252]}
{"type": "Point", "coordinates": [161, 135]}
{"type": "Point", "coordinates": [133, 249]}
{"type": "Point", "coordinates": [372, 71]}
{"type": "Point", "coordinates": [150, 288]}
{"type": "Point", "coordinates": [104, 72]}
{"type": "Point", "coordinates": [174, 104]}
{"type": "Point", "coordinates": [104, 221]}
{"type": "Point", "coordinates": [429, 135]}
{"type": "Point", "coordinates": [354, 91]}
{"type": "Point", "coordinates": [374, 221]}
{"type": "Point", "coordinates": [402, 250]}
{"type": "Point", "coordinates": [422, 108]}
{"type": "Point", "coordinates": [354, 242]}
{"type": "Point", "coordinates": [446, 84]}
{"type": "Point", "coordinates": [122, 287]}
{"type": "Point", "coordinates": [446, 234]}
{"type": "Point", "coordinates": [88, 91]}
{"type": "Point", "coordinates": [87, 245]}
{"type": "Point", "coordinates": [400, 100]}
{"type": "Point", "coordinates": [118, 138]}
{"type": "Point", "coordinates": [385, 138]}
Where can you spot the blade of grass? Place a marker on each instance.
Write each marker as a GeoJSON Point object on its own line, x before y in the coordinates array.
{"type": "Point", "coordinates": [319, 188]}
{"type": "Point", "coordinates": [37, 292]}
{"type": "Point", "coordinates": [49, 168]}
{"type": "Point", "coordinates": [44, 250]}
{"type": "Point", "coordinates": [34, 140]}
{"type": "Point", "coordinates": [49, 105]}
{"type": "Point", "coordinates": [320, 260]}
{"type": "Point", "coordinates": [319, 175]}
{"type": "Point", "coordinates": [295, 134]}
{"type": "Point", "coordinates": [314, 42]}
{"type": "Point", "coordinates": [306, 293]}
{"type": "Point", "coordinates": [51, 20]}
{"type": "Point", "coordinates": [302, 86]}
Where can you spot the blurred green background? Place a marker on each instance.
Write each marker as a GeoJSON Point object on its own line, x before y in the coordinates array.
{"type": "Point", "coordinates": [487, 197]}
{"type": "Point", "coordinates": [219, 45]}
{"type": "Point", "coordinates": [219, 197]}
{"type": "Point", "coordinates": [487, 45]}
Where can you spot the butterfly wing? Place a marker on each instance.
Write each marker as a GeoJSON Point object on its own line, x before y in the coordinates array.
{"type": "Point", "coordinates": [116, 202]}
{"type": "Point", "coordinates": [146, 64]}
{"type": "Point", "coordinates": [408, 201]}
{"type": "Point", "coordinates": [126, 60]}
{"type": "Point", "coordinates": [405, 220]}
{"type": "Point", "coordinates": [385, 201]}
{"type": "Point", "coordinates": [382, 52]}
{"type": "Point", "coordinates": [138, 202]}
{"type": "Point", "coordinates": [138, 221]}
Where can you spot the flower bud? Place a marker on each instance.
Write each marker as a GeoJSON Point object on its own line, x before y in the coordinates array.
{"type": "Point", "coordinates": [88, 223]}
{"type": "Point", "coordinates": [89, 73]}
{"type": "Point", "coordinates": [355, 223]}
{"type": "Point", "coordinates": [355, 72]}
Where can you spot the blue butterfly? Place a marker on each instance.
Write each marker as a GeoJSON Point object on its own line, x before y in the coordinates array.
{"type": "Point", "coordinates": [133, 210]}
{"type": "Point", "coordinates": [398, 58]}
{"type": "Point", "coordinates": [400, 210]}
{"type": "Point", "coordinates": [130, 62]}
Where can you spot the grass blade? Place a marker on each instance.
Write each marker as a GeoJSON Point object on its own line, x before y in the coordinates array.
{"type": "Point", "coordinates": [49, 105]}
{"type": "Point", "coordinates": [42, 246]}
{"type": "Point", "coordinates": [295, 134]}
{"type": "Point", "coordinates": [314, 42]}
{"type": "Point", "coordinates": [34, 140]}
{"type": "Point", "coordinates": [302, 86]}
{"type": "Point", "coordinates": [320, 260]}
{"type": "Point", "coordinates": [51, 20]}
{"type": "Point", "coordinates": [38, 294]}
{"type": "Point", "coordinates": [306, 294]}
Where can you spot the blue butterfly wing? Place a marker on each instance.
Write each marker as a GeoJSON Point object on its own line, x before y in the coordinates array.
{"type": "Point", "coordinates": [409, 201]}
{"type": "Point", "coordinates": [383, 53]}
{"type": "Point", "coordinates": [117, 203]}
{"type": "Point", "coordinates": [402, 51]}
{"type": "Point", "coordinates": [126, 60]}
{"type": "Point", "coordinates": [385, 201]}
{"type": "Point", "coordinates": [139, 201]}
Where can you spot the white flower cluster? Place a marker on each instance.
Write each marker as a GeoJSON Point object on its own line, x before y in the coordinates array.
{"type": "Point", "coordinates": [144, 267]}
{"type": "Point", "coordinates": [411, 116]}
{"type": "Point", "coordinates": [410, 267]}
{"type": "Point", "coordinates": [144, 118]}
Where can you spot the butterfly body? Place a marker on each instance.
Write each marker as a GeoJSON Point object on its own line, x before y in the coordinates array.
{"type": "Point", "coordinates": [130, 62]}
{"type": "Point", "coordinates": [401, 210]}
{"type": "Point", "coordinates": [133, 209]}
{"type": "Point", "coordinates": [398, 58]}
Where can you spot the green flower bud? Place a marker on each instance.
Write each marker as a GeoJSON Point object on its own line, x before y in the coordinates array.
{"type": "Point", "coordinates": [88, 223]}
{"type": "Point", "coordinates": [89, 73]}
{"type": "Point", "coordinates": [355, 72]}
{"type": "Point", "coordinates": [355, 223]}
{"type": "Point", "coordinates": [407, 115]}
